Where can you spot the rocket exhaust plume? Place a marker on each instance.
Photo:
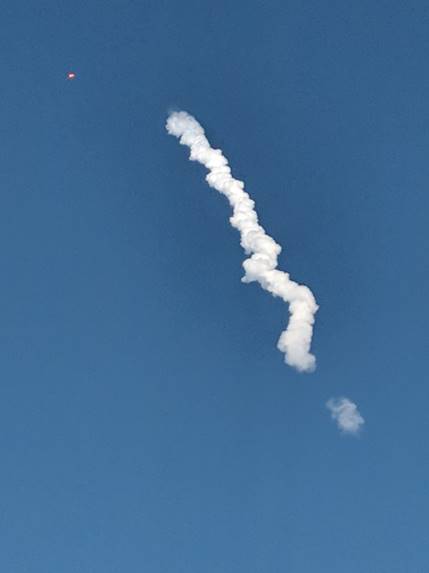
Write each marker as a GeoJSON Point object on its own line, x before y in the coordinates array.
{"type": "Point", "coordinates": [263, 251]}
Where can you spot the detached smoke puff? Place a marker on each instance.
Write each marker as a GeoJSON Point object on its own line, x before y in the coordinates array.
{"type": "Point", "coordinates": [346, 414]}
{"type": "Point", "coordinates": [261, 266]}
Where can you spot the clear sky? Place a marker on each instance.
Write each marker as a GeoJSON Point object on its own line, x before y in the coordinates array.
{"type": "Point", "coordinates": [147, 421]}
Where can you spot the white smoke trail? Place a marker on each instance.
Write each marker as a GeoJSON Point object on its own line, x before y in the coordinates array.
{"type": "Point", "coordinates": [261, 266]}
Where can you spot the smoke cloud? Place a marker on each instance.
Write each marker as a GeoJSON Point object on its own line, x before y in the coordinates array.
{"type": "Point", "coordinates": [346, 415]}
{"type": "Point", "coordinates": [263, 251]}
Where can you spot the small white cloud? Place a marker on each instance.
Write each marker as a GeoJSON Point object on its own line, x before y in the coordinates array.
{"type": "Point", "coordinates": [346, 414]}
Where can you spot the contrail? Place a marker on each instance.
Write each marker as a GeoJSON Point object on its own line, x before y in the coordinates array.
{"type": "Point", "coordinates": [261, 266]}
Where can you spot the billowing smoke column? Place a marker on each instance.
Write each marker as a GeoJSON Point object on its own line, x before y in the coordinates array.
{"type": "Point", "coordinates": [261, 266]}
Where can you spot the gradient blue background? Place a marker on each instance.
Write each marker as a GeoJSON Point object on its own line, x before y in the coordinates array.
{"type": "Point", "coordinates": [147, 422]}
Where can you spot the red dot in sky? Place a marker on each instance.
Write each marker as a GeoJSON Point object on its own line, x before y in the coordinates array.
{"type": "Point", "coordinates": [71, 76]}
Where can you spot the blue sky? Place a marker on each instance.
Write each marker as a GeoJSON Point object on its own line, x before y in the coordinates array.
{"type": "Point", "coordinates": [147, 421]}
